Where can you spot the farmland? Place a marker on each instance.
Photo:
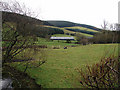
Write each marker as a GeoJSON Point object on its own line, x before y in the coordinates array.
{"type": "Point", "coordinates": [59, 71]}
{"type": "Point", "coordinates": [27, 46]}
{"type": "Point", "coordinates": [65, 29]}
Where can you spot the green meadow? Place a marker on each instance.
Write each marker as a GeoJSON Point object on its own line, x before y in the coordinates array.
{"type": "Point", "coordinates": [49, 43]}
{"type": "Point", "coordinates": [75, 27]}
{"type": "Point", "coordinates": [81, 28]}
{"type": "Point", "coordinates": [60, 66]}
{"type": "Point", "coordinates": [59, 71]}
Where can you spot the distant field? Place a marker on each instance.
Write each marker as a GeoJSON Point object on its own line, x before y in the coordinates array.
{"type": "Point", "coordinates": [81, 28]}
{"type": "Point", "coordinates": [49, 43]}
{"type": "Point", "coordinates": [55, 27]}
{"type": "Point", "coordinates": [71, 32]}
{"type": "Point", "coordinates": [61, 35]}
{"type": "Point", "coordinates": [60, 69]}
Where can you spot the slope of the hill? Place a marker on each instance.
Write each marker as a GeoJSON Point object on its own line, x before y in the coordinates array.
{"type": "Point", "coordinates": [52, 27]}
{"type": "Point", "coordinates": [71, 24]}
{"type": "Point", "coordinates": [35, 25]}
{"type": "Point", "coordinates": [6, 17]}
{"type": "Point", "coordinates": [71, 32]}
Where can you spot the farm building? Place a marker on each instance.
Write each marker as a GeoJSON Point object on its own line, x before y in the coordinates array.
{"type": "Point", "coordinates": [62, 38]}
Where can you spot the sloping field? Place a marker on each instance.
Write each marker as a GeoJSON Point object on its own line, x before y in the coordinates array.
{"type": "Point", "coordinates": [72, 32]}
{"type": "Point", "coordinates": [81, 28]}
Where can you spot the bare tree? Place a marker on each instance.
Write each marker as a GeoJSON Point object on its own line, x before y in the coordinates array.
{"type": "Point", "coordinates": [117, 27]}
{"type": "Point", "coordinates": [16, 7]}
{"type": "Point", "coordinates": [105, 25]}
{"type": "Point", "coordinates": [17, 31]}
{"type": "Point", "coordinates": [113, 27]}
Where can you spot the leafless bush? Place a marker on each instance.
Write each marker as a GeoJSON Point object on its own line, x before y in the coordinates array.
{"type": "Point", "coordinates": [101, 75]}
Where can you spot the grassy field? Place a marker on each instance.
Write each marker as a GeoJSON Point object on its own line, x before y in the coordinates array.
{"type": "Point", "coordinates": [60, 43]}
{"type": "Point", "coordinates": [81, 28]}
{"type": "Point", "coordinates": [84, 34]}
{"type": "Point", "coordinates": [61, 35]}
{"type": "Point", "coordinates": [71, 32]}
{"type": "Point", "coordinates": [60, 69]}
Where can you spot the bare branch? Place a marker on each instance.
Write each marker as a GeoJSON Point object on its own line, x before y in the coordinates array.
{"type": "Point", "coordinates": [105, 24]}
{"type": "Point", "coordinates": [16, 7]}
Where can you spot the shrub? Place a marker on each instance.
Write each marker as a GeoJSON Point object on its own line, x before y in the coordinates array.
{"type": "Point", "coordinates": [84, 41]}
{"type": "Point", "coordinates": [54, 47]}
{"type": "Point", "coordinates": [81, 39]}
{"type": "Point", "coordinates": [101, 75]}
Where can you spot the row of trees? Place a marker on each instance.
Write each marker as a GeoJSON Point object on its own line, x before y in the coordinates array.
{"type": "Point", "coordinates": [106, 37]}
{"type": "Point", "coordinates": [109, 34]}
{"type": "Point", "coordinates": [100, 38]}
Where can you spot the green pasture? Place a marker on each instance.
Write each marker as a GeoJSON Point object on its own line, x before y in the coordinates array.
{"type": "Point", "coordinates": [59, 71]}
{"type": "Point", "coordinates": [50, 43]}
{"type": "Point", "coordinates": [81, 28]}
{"type": "Point", "coordinates": [84, 34]}
{"type": "Point", "coordinates": [76, 27]}
{"type": "Point", "coordinates": [61, 35]}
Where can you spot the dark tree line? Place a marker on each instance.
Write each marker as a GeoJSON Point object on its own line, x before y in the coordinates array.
{"type": "Point", "coordinates": [102, 37]}
{"type": "Point", "coordinates": [41, 31]}
{"type": "Point", "coordinates": [106, 37]}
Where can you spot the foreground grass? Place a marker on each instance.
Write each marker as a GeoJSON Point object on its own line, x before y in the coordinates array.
{"type": "Point", "coordinates": [60, 69]}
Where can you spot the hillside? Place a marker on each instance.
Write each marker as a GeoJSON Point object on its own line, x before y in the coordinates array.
{"type": "Point", "coordinates": [6, 17]}
{"type": "Point", "coordinates": [53, 27]}
{"type": "Point", "coordinates": [68, 31]}
{"type": "Point", "coordinates": [71, 24]}
{"type": "Point", "coordinates": [72, 28]}
{"type": "Point", "coordinates": [34, 25]}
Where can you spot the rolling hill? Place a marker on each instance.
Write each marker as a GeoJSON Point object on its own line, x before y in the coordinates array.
{"type": "Point", "coordinates": [54, 27]}
{"type": "Point", "coordinates": [70, 27]}
{"type": "Point", "coordinates": [71, 24]}
{"type": "Point", "coordinates": [67, 31]}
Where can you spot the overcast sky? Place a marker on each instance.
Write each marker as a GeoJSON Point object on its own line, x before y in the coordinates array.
{"type": "Point", "coordinates": [91, 12]}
